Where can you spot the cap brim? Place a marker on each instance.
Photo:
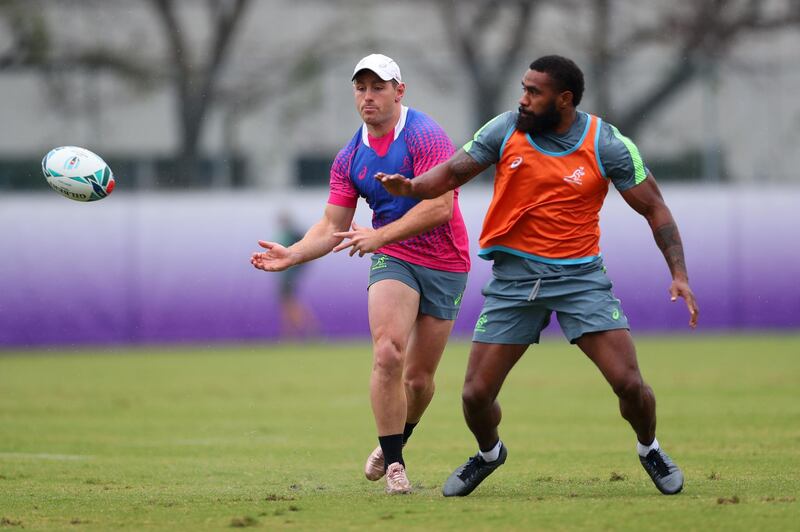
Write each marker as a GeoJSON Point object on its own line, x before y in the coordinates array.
{"type": "Point", "coordinates": [360, 70]}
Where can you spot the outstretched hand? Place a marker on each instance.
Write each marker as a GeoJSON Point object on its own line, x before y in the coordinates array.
{"type": "Point", "coordinates": [362, 240]}
{"type": "Point", "coordinates": [681, 289]}
{"type": "Point", "coordinates": [395, 184]}
{"type": "Point", "coordinates": [276, 258]}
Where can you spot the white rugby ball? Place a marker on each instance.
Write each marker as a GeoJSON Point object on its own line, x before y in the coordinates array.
{"type": "Point", "coordinates": [77, 174]}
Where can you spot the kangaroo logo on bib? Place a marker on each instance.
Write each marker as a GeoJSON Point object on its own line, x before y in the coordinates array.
{"type": "Point", "coordinates": [576, 177]}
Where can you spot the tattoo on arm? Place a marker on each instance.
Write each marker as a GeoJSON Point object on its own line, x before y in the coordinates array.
{"type": "Point", "coordinates": [669, 242]}
{"type": "Point", "coordinates": [464, 167]}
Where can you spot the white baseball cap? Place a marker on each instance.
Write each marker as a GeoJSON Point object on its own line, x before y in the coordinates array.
{"type": "Point", "coordinates": [383, 66]}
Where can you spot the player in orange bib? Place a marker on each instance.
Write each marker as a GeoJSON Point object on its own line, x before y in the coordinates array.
{"type": "Point", "coordinates": [553, 165]}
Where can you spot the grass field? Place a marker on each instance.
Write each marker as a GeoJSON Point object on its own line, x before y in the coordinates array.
{"type": "Point", "coordinates": [275, 437]}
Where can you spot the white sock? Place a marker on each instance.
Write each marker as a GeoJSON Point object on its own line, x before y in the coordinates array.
{"type": "Point", "coordinates": [494, 454]}
{"type": "Point", "coordinates": [643, 450]}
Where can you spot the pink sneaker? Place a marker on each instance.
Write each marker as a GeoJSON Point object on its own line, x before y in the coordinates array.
{"type": "Point", "coordinates": [396, 480]}
{"type": "Point", "coordinates": [374, 466]}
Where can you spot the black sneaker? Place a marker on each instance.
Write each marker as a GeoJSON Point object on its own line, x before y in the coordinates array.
{"type": "Point", "coordinates": [667, 477]}
{"type": "Point", "coordinates": [467, 477]}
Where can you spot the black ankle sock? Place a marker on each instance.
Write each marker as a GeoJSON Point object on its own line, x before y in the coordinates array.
{"type": "Point", "coordinates": [407, 431]}
{"type": "Point", "coordinates": [392, 446]}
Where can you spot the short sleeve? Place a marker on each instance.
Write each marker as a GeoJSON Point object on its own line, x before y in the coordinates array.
{"type": "Point", "coordinates": [620, 159]}
{"type": "Point", "coordinates": [428, 145]}
{"type": "Point", "coordinates": [487, 143]}
{"type": "Point", "coordinates": [342, 191]}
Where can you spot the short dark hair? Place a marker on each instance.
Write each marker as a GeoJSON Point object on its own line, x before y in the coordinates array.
{"type": "Point", "coordinates": [564, 72]}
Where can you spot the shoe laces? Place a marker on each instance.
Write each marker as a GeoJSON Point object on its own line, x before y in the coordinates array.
{"type": "Point", "coordinates": [472, 465]}
{"type": "Point", "coordinates": [656, 463]}
{"type": "Point", "coordinates": [397, 474]}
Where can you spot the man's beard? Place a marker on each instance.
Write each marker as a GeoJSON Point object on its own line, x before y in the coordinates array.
{"type": "Point", "coordinates": [541, 123]}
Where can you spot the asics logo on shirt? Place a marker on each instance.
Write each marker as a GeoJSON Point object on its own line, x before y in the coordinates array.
{"type": "Point", "coordinates": [516, 162]}
{"type": "Point", "coordinates": [406, 167]}
{"type": "Point", "coordinates": [362, 174]}
{"type": "Point", "coordinates": [576, 177]}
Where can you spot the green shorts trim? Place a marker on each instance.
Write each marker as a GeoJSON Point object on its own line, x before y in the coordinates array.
{"type": "Point", "coordinates": [516, 311]}
{"type": "Point", "coordinates": [440, 292]}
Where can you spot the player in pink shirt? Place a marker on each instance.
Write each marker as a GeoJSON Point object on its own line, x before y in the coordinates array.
{"type": "Point", "coordinates": [420, 255]}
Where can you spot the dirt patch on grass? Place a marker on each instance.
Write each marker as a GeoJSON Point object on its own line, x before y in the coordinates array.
{"type": "Point", "coordinates": [779, 499]}
{"type": "Point", "coordinates": [272, 497]}
{"type": "Point", "coordinates": [243, 522]}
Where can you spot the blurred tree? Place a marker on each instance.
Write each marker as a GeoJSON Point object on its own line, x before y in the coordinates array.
{"type": "Point", "coordinates": [693, 35]}
{"type": "Point", "coordinates": [490, 41]}
{"type": "Point", "coordinates": [200, 86]}
{"type": "Point", "coordinates": [25, 40]}
{"type": "Point", "coordinates": [28, 43]}
{"type": "Point", "coordinates": [195, 77]}
{"type": "Point", "coordinates": [693, 38]}
{"type": "Point", "coordinates": [469, 27]}
{"type": "Point", "coordinates": [198, 69]}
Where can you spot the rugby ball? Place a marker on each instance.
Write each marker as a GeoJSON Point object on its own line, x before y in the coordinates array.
{"type": "Point", "coordinates": [77, 174]}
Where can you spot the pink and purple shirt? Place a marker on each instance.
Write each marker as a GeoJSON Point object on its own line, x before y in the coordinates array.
{"type": "Point", "coordinates": [418, 144]}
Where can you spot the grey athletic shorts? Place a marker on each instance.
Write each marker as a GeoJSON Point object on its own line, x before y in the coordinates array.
{"type": "Point", "coordinates": [516, 311]}
{"type": "Point", "coordinates": [440, 292]}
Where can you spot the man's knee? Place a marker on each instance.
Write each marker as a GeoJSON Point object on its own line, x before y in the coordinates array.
{"type": "Point", "coordinates": [477, 395]}
{"type": "Point", "coordinates": [388, 356]}
{"type": "Point", "coordinates": [629, 386]}
{"type": "Point", "coordinates": [418, 382]}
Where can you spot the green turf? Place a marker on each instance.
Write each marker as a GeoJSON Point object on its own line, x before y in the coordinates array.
{"type": "Point", "coordinates": [275, 437]}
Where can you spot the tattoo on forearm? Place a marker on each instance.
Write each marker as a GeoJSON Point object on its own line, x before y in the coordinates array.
{"type": "Point", "coordinates": [669, 242]}
{"type": "Point", "coordinates": [465, 167]}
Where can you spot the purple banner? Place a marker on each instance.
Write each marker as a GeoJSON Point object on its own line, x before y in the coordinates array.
{"type": "Point", "coordinates": [141, 268]}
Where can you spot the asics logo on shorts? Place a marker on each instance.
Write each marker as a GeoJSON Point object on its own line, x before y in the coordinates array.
{"type": "Point", "coordinates": [615, 314]}
{"type": "Point", "coordinates": [516, 162]}
{"type": "Point", "coordinates": [480, 326]}
{"type": "Point", "coordinates": [576, 177]}
{"type": "Point", "coordinates": [457, 301]}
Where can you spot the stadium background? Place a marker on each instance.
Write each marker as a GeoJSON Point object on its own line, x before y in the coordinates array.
{"type": "Point", "coordinates": [212, 144]}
